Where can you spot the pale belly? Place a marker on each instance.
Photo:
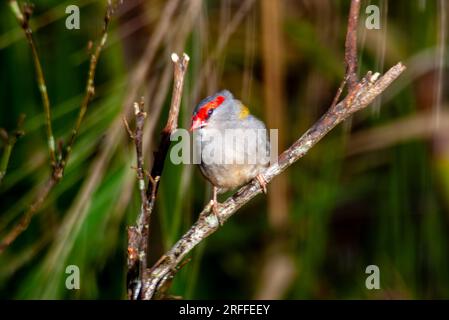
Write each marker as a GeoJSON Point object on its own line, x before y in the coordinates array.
{"type": "Point", "coordinates": [231, 161]}
{"type": "Point", "coordinates": [230, 176]}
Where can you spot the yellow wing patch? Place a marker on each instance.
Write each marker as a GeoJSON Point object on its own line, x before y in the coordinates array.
{"type": "Point", "coordinates": [244, 112]}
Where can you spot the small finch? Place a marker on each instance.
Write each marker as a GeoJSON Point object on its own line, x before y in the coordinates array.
{"type": "Point", "coordinates": [233, 143]}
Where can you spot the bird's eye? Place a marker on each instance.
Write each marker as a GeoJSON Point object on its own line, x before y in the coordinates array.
{"type": "Point", "coordinates": [209, 112]}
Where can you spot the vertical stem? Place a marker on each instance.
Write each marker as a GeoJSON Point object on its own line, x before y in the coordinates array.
{"type": "Point", "coordinates": [351, 44]}
{"type": "Point", "coordinates": [9, 141]}
{"type": "Point", "coordinates": [180, 68]}
{"type": "Point", "coordinates": [23, 18]}
{"type": "Point", "coordinates": [5, 159]}
{"type": "Point", "coordinates": [90, 88]}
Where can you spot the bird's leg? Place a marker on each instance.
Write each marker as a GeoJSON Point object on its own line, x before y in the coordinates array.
{"type": "Point", "coordinates": [215, 204]}
{"type": "Point", "coordinates": [262, 182]}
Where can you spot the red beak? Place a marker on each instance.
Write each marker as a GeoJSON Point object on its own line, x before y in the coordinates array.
{"type": "Point", "coordinates": [196, 123]}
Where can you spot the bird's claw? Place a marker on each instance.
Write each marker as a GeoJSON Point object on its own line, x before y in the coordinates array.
{"type": "Point", "coordinates": [262, 182]}
{"type": "Point", "coordinates": [215, 206]}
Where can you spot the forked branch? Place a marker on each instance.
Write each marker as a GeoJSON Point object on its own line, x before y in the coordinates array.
{"type": "Point", "coordinates": [138, 235]}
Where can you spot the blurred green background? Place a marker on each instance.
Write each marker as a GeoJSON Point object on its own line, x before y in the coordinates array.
{"type": "Point", "coordinates": [374, 191]}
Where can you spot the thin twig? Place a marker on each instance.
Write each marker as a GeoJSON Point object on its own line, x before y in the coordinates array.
{"type": "Point", "coordinates": [351, 44]}
{"type": "Point", "coordinates": [23, 17]}
{"type": "Point", "coordinates": [143, 228]}
{"type": "Point", "coordinates": [364, 93]}
{"type": "Point", "coordinates": [137, 248]}
{"type": "Point", "coordinates": [350, 52]}
{"type": "Point", "coordinates": [172, 122]}
{"type": "Point", "coordinates": [138, 138]}
{"type": "Point", "coordinates": [26, 218]}
{"type": "Point", "coordinates": [338, 94]}
{"type": "Point", "coordinates": [90, 88]}
{"type": "Point", "coordinates": [9, 140]}
{"type": "Point", "coordinates": [138, 235]}
{"type": "Point", "coordinates": [58, 163]}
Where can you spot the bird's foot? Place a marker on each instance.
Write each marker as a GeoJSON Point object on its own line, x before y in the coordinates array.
{"type": "Point", "coordinates": [262, 182]}
{"type": "Point", "coordinates": [212, 206]}
{"type": "Point", "coordinates": [215, 206]}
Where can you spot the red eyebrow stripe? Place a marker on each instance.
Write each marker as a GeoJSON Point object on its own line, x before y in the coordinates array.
{"type": "Point", "coordinates": [215, 103]}
{"type": "Point", "coordinates": [202, 113]}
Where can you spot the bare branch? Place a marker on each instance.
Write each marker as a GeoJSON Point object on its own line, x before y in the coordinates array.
{"type": "Point", "coordinates": [138, 235]}
{"type": "Point", "coordinates": [138, 138]}
{"type": "Point", "coordinates": [179, 71]}
{"type": "Point", "coordinates": [137, 243]}
{"type": "Point", "coordinates": [351, 44]}
{"type": "Point", "coordinates": [338, 94]}
{"type": "Point", "coordinates": [128, 129]}
{"type": "Point", "coordinates": [180, 65]}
